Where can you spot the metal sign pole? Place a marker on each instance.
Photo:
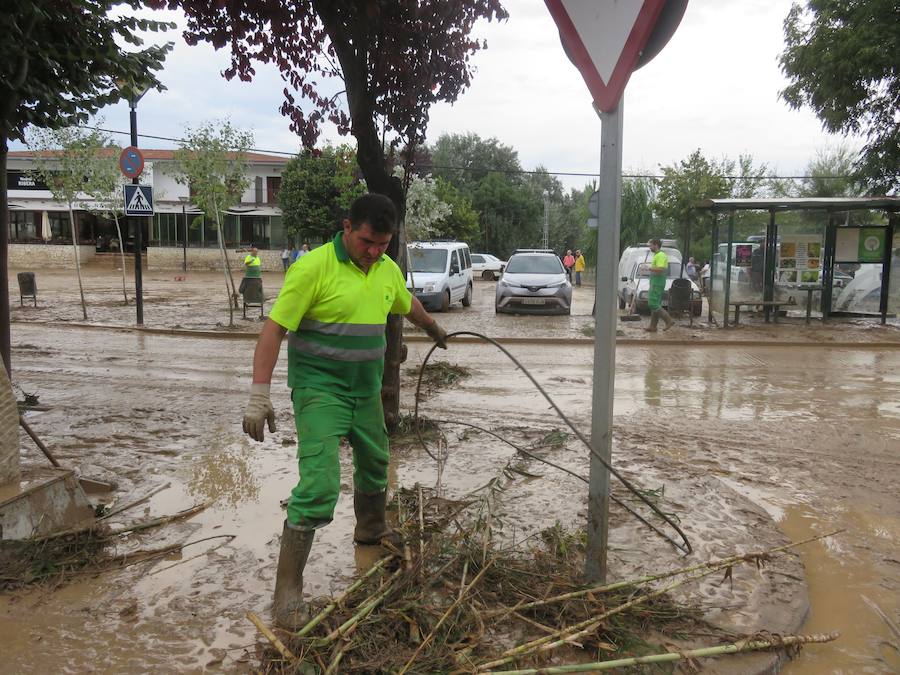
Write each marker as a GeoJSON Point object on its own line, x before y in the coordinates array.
{"type": "Point", "coordinates": [608, 217]}
{"type": "Point", "coordinates": [138, 231]}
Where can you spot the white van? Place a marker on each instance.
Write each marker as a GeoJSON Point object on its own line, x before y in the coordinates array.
{"type": "Point", "coordinates": [628, 265]}
{"type": "Point", "coordinates": [442, 272]}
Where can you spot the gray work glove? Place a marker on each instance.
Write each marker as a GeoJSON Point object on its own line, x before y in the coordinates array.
{"type": "Point", "coordinates": [259, 411]}
{"type": "Point", "coordinates": [438, 334]}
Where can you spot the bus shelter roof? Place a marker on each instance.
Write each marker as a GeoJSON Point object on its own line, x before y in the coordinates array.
{"type": "Point", "coordinates": [798, 203]}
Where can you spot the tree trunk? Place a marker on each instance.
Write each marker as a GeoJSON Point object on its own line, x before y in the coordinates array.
{"type": "Point", "coordinates": [77, 260]}
{"type": "Point", "coordinates": [4, 260]}
{"type": "Point", "coordinates": [349, 42]}
{"type": "Point", "coordinates": [122, 253]}
{"type": "Point", "coordinates": [226, 269]}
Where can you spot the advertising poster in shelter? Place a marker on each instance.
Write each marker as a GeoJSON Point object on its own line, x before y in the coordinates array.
{"type": "Point", "coordinates": [743, 254]}
{"type": "Point", "coordinates": [860, 244]}
{"type": "Point", "coordinates": [800, 259]}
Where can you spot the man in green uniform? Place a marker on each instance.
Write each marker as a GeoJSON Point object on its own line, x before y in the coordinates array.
{"type": "Point", "coordinates": [334, 304]}
{"type": "Point", "coordinates": [659, 272]}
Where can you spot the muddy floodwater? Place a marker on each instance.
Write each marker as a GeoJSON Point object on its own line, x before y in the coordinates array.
{"type": "Point", "coordinates": [751, 446]}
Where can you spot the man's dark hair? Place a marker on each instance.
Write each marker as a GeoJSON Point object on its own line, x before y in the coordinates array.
{"type": "Point", "coordinates": [657, 242]}
{"type": "Point", "coordinates": [376, 210]}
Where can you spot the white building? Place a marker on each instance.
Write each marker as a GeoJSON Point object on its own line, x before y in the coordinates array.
{"type": "Point", "coordinates": [37, 221]}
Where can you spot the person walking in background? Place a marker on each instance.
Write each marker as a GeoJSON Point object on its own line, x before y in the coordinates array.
{"type": "Point", "coordinates": [691, 270]}
{"type": "Point", "coordinates": [659, 272]}
{"type": "Point", "coordinates": [286, 256]}
{"type": "Point", "coordinates": [579, 267]}
{"type": "Point", "coordinates": [569, 263]}
{"type": "Point", "coordinates": [302, 251]}
{"type": "Point", "coordinates": [704, 277]}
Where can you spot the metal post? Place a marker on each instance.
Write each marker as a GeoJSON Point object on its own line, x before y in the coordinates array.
{"type": "Point", "coordinates": [728, 268]}
{"type": "Point", "coordinates": [886, 266]}
{"type": "Point", "coordinates": [184, 241]}
{"type": "Point", "coordinates": [545, 241]}
{"type": "Point", "coordinates": [608, 218]}
{"type": "Point", "coordinates": [769, 266]}
{"type": "Point", "coordinates": [828, 267]}
{"type": "Point", "coordinates": [712, 267]}
{"type": "Point", "coordinates": [138, 230]}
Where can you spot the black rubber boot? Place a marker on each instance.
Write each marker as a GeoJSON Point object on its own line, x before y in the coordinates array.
{"type": "Point", "coordinates": [371, 523]}
{"type": "Point", "coordinates": [288, 610]}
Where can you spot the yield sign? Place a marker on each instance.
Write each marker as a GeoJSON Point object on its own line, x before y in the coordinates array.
{"type": "Point", "coordinates": [604, 39]}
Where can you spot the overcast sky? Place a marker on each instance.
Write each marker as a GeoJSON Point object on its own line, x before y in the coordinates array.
{"type": "Point", "coordinates": [714, 87]}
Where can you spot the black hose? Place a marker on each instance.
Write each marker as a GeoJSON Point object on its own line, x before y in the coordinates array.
{"type": "Point", "coordinates": [685, 547]}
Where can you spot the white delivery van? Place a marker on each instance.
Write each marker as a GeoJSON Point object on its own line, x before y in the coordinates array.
{"type": "Point", "coordinates": [441, 272]}
{"type": "Point", "coordinates": [628, 266]}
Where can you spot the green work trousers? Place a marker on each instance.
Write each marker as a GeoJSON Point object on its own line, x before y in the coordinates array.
{"type": "Point", "coordinates": [322, 418]}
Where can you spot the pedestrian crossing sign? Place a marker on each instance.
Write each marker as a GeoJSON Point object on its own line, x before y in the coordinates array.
{"type": "Point", "coordinates": [138, 200]}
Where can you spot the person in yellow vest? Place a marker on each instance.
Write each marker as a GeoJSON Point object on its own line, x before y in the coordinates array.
{"type": "Point", "coordinates": [334, 305]}
{"type": "Point", "coordinates": [659, 272]}
{"type": "Point", "coordinates": [252, 264]}
{"type": "Point", "coordinates": [579, 267]}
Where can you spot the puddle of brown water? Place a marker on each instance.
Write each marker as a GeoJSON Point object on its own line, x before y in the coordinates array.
{"type": "Point", "coordinates": [838, 582]}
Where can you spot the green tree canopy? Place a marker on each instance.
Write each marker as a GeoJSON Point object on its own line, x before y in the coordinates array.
{"type": "Point", "coordinates": [317, 188]}
{"type": "Point", "coordinates": [841, 57]}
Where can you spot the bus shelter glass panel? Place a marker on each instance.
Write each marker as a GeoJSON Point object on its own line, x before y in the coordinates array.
{"type": "Point", "coordinates": [799, 262]}
{"type": "Point", "coordinates": [715, 285]}
{"type": "Point", "coordinates": [861, 293]}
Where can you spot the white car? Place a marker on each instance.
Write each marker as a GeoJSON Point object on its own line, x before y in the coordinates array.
{"type": "Point", "coordinates": [637, 289]}
{"type": "Point", "coordinates": [489, 266]}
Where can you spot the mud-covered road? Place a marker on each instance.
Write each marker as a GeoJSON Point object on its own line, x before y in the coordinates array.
{"type": "Point", "coordinates": [754, 447]}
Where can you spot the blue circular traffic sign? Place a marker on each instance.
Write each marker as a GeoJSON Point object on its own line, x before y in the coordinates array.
{"type": "Point", "coordinates": [131, 162]}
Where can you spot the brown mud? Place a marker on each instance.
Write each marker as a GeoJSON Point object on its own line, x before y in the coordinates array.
{"type": "Point", "coordinates": [751, 447]}
{"type": "Point", "coordinates": [197, 301]}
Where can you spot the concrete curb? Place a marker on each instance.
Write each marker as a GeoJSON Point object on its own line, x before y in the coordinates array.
{"type": "Point", "coordinates": [415, 338]}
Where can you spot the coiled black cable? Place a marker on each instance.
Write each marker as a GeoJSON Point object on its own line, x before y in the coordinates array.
{"type": "Point", "coordinates": [685, 546]}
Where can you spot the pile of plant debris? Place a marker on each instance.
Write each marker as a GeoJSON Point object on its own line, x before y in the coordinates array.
{"type": "Point", "coordinates": [96, 547]}
{"type": "Point", "coordinates": [457, 599]}
{"type": "Point", "coordinates": [439, 374]}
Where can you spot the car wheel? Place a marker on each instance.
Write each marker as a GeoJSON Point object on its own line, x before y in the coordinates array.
{"type": "Point", "coordinates": [445, 301]}
{"type": "Point", "coordinates": [467, 298]}
{"type": "Point", "coordinates": [487, 275]}
{"type": "Point", "coordinates": [698, 308]}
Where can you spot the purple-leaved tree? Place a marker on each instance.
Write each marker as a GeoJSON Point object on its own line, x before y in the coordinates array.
{"type": "Point", "coordinates": [373, 68]}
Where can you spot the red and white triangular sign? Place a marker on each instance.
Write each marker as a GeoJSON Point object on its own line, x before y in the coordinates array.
{"type": "Point", "coordinates": [604, 39]}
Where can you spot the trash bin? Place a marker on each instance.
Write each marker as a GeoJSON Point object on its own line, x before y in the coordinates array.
{"type": "Point", "coordinates": [680, 298]}
{"type": "Point", "coordinates": [27, 287]}
{"type": "Point", "coordinates": [252, 290]}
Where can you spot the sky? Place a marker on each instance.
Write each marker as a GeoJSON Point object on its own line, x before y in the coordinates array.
{"type": "Point", "coordinates": [715, 87]}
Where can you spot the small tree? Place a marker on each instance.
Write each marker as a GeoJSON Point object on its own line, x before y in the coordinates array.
{"type": "Point", "coordinates": [211, 160]}
{"type": "Point", "coordinates": [64, 160]}
{"type": "Point", "coordinates": [317, 188]}
{"type": "Point", "coordinates": [103, 185]}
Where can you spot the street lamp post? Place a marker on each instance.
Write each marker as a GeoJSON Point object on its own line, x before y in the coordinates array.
{"type": "Point", "coordinates": [184, 201]}
{"type": "Point", "coordinates": [134, 96]}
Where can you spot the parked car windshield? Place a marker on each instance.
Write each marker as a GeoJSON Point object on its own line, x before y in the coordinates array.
{"type": "Point", "coordinates": [534, 264]}
{"type": "Point", "coordinates": [428, 259]}
{"type": "Point", "coordinates": [674, 270]}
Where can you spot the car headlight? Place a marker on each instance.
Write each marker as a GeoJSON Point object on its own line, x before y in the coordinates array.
{"type": "Point", "coordinates": [428, 288]}
{"type": "Point", "coordinates": [505, 282]}
{"type": "Point", "coordinates": [642, 295]}
{"type": "Point", "coordinates": [556, 285]}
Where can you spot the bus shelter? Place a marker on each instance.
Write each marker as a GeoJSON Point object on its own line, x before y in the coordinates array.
{"type": "Point", "coordinates": [840, 249]}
